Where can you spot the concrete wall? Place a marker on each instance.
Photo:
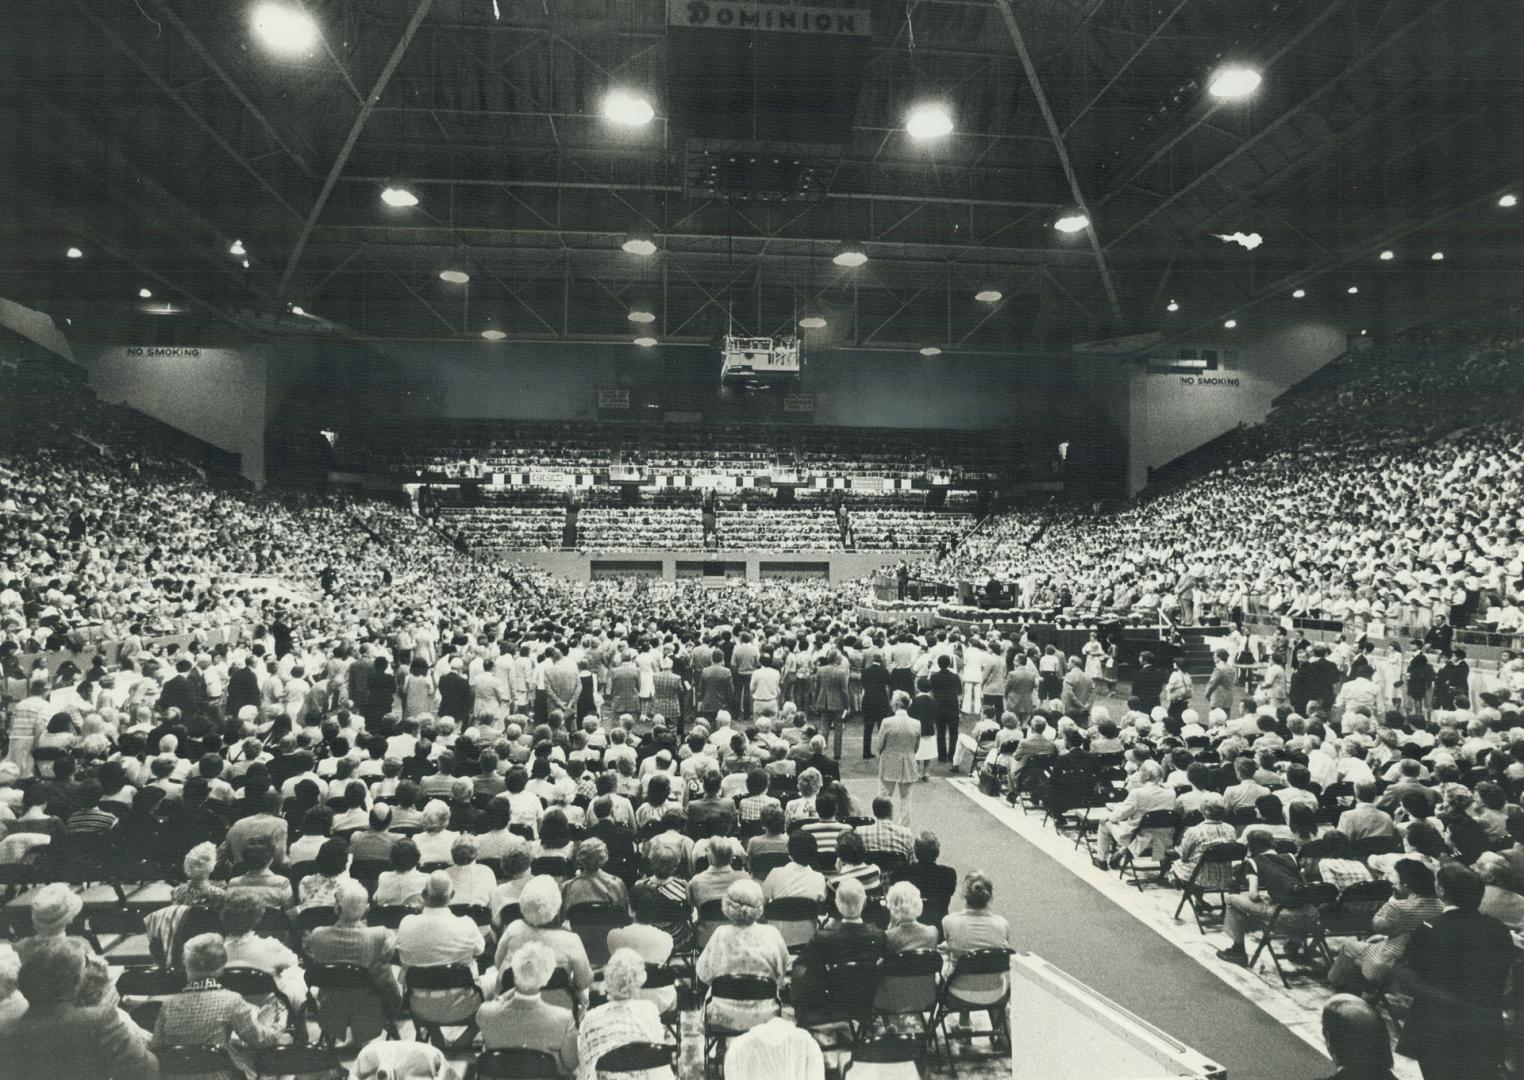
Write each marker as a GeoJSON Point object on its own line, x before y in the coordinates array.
{"type": "Point", "coordinates": [215, 394]}
{"type": "Point", "coordinates": [1169, 415]}
{"type": "Point", "coordinates": [844, 565]}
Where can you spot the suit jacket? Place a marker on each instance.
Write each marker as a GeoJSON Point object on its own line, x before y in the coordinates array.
{"type": "Point", "coordinates": [620, 841]}
{"type": "Point", "coordinates": [835, 944]}
{"type": "Point", "coordinates": [1459, 964]}
{"type": "Point", "coordinates": [831, 694]}
{"type": "Point", "coordinates": [1219, 687]}
{"type": "Point", "coordinates": [455, 696]}
{"type": "Point", "coordinates": [895, 743]}
{"type": "Point", "coordinates": [178, 693]}
{"type": "Point", "coordinates": [716, 686]}
{"type": "Point", "coordinates": [947, 689]}
{"type": "Point", "coordinates": [1149, 685]}
{"type": "Point", "coordinates": [243, 689]}
{"type": "Point", "coordinates": [1079, 692]}
{"type": "Point", "coordinates": [829, 768]}
{"type": "Point", "coordinates": [527, 1022]}
{"type": "Point", "coordinates": [75, 1043]}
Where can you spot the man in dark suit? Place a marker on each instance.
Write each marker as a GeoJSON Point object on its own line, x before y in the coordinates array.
{"type": "Point", "coordinates": [716, 686]}
{"type": "Point", "coordinates": [1456, 969]}
{"type": "Point", "coordinates": [379, 691]}
{"type": "Point", "coordinates": [243, 687]}
{"type": "Point", "coordinates": [946, 688]}
{"type": "Point", "coordinates": [1316, 680]}
{"type": "Point", "coordinates": [1150, 680]}
{"type": "Point", "coordinates": [179, 692]}
{"type": "Point", "coordinates": [844, 940]}
{"type": "Point", "coordinates": [455, 694]}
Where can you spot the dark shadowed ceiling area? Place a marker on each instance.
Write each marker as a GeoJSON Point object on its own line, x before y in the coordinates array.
{"type": "Point", "coordinates": [153, 134]}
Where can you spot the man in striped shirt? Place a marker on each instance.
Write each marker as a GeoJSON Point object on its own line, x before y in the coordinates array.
{"type": "Point", "coordinates": [89, 819]}
{"type": "Point", "coordinates": [852, 864]}
{"type": "Point", "coordinates": [827, 831]}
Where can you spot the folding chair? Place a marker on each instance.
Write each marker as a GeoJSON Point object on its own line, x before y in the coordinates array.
{"type": "Point", "coordinates": [509, 913]}
{"type": "Point", "coordinates": [556, 866]}
{"type": "Point", "coordinates": [153, 986]}
{"type": "Point", "coordinates": [251, 982]}
{"type": "Point", "coordinates": [592, 923]}
{"type": "Point", "coordinates": [294, 1060]}
{"type": "Point", "coordinates": [709, 918]}
{"type": "Point", "coordinates": [1353, 912]}
{"type": "Point", "coordinates": [796, 918]}
{"type": "Point", "coordinates": [194, 1061]}
{"type": "Point", "coordinates": [480, 914]}
{"type": "Point", "coordinates": [764, 863]}
{"type": "Point", "coordinates": [431, 1016]}
{"type": "Point", "coordinates": [888, 1049]}
{"type": "Point", "coordinates": [847, 995]}
{"type": "Point", "coordinates": [910, 984]}
{"type": "Point", "coordinates": [1224, 858]}
{"type": "Point", "coordinates": [517, 1063]}
{"type": "Point", "coordinates": [124, 924]}
{"type": "Point", "coordinates": [980, 964]}
{"type": "Point", "coordinates": [335, 990]}
{"type": "Point", "coordinates": [1157, 830]}
{"type": "Point", "coordinates": [389, 915]}
{"type": "Point", "coordinates": [732, 988]}
{"type": "Point", "coordinates": [1311, 897]}
{"type": "Point", "coordinates": [637, 1057]}
{"type": "Point", "coordinates": [557, 990]}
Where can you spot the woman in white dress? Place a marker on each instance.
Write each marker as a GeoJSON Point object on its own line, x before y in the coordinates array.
{"type": "Point", "coordinates": [1095, 656]}
{"type": "Point", "coordinates": [646, 664]}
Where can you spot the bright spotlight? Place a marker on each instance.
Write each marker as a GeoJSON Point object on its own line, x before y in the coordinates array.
{"type": "Point", "coordinates": [1172, 306]}
{"type": "Point", "coordinates": [237, 248]}
{"type": "Point", "coordinates": [1387, 256]}
{"type": "Point", "coordinates": [1352, 289]}
{"type": "Point", "coordinates": [285, 29]}
{"type": "Point", "coordinates": [640, 315]}
{"type": "Point", "coordinates": [398, 196]}
{"type": "Point", "coordinates": [928, 121]}
{"type": "Point", "coordinates": [1231, 324]}
{"type": "Point", "coordinates": [454, 277]}
{"type": "Point", "coordinates": [1438, 256]}
{"type": "Point", "coordinates": [988, 296]}
{"type": "Point", "coordinates": [1073, 223]}
{"type": "Point", "coordinates": [1299, 294]}
{"type": "Point", "coordinates": [639, 244]}
{"type": "Point", "coordinates": [297, 309]}
{"type": "Point", "coordinates": [851, 255]}
{"type": "Point", "coordinates": [645, 341]}
{"type": "Point", "coordinates": [812, 322]}
{"type": "Point", "coordinates": [145, 294]}
{"type": "Point", "coordinates": [493, 335]}
{"type": "Point", "coordinates": [627, 109]}
{"type": "Point", "coordinates": [1508, 200]}
{"type": "Point", "coordinates": [75, 253]}
{"type": "Point", "coordinates": [931, 350]}
{"type": "Point", "coordinates": [1233, 83]}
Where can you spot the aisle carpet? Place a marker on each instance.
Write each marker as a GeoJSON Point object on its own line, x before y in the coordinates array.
{"type": "Point", "coordinates": [1062, 919]}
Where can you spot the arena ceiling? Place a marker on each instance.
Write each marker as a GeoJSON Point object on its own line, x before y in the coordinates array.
{"type": "Point", "coordinates": [151, 135]}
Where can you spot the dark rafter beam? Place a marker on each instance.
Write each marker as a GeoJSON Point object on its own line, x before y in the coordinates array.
{"type": "Point", "coordinates": [217, 69]}
{"type": "Point", "coordinates": [1275, 125]}
{"type": "Point", "coordinates": [1125, 65]}
{"type": "Point", "coordinates": [1062, 151]}
{"type": "Point", "coordinates": [355, 129]}
{"type": "Point", "coordinates": [168, 91]}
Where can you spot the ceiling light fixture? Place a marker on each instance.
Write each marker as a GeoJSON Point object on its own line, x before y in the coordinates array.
{"type": "Point", "coordinates": [246, 264]}
{"type": "Point", "coordinates": [1387, 256]}
{"type": "Point", "coordinates": [1234, 83]}
{"type": "Point", "coordinates": [296, 309]}
{"type": "Point", "coordinates": [493, 335]}
{"type": "Point", "coordinates": [454, 277]}
{"type": "Point", "coordinates": [1231, 324]}
{"type": "Point", "coordinates": [850, 255]}
{"type": "Point", "coordinates": [638, 243]}
{"type": "Point", "coordinates": [1438, 256]}
{"type": "Point", "coordinates": [1352, 289]}
{"type": "Point", "coordinates": [1172, 306]}
{"type": "Point", "coordinates": [1072, 223]}
{"type": "Point", "coordinates": [641, 315]}
{"type": "Point", "coordinates": [931, 350]}
{"type": "Point", "coordinates": [398, 196]}
{"type": "Point", "coordinates": [988, 296]}
{"type": "Point", "coordinates": [812, 322]}
{"type": "Point", "coordinates": [928, 121]}
{"type": "Point", "coordinates": [1299, 294]}
{"type": "Point", "coordinates": [285, 29]}
{"type": "Point", "coordinates": [627, 109]}
{"type": "Point", "coordinates": [645, 341]}
{"type": "Point", "coordinates": [74, 253]}
{"type": "Point", "coordinates": [145, 294]}
{"type": "Point", "coordinates": [1508, 200]}
{"type": "Point", "coordinates": [237, 248]}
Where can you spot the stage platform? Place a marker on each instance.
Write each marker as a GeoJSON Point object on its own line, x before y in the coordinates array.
{"type": "Point", "coordinates": [715, 566]}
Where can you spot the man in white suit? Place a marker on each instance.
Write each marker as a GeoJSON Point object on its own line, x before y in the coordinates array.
{"type": "Point", "coordinates": [895, 744]}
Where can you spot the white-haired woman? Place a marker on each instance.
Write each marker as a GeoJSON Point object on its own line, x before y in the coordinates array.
{"type": "Point", "coordinates": [540, 920]}
{"type": "Point", "coordinates": [905, 932]}
{"type": "Point", "coordinates": [197, 889]}
{"type": "Point", "coordinates": [522, 1021]}
{"type": "Point", "coordinates": [744, 946]}
{"type": "Point", "coordinates": [803, 808]}
{"type": "Point", "coordinates": [1148, 794]}
{"type": "Point", "coordinates": [625, 1018]}
{"type": "Point", "coordinates": [434, 838]}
